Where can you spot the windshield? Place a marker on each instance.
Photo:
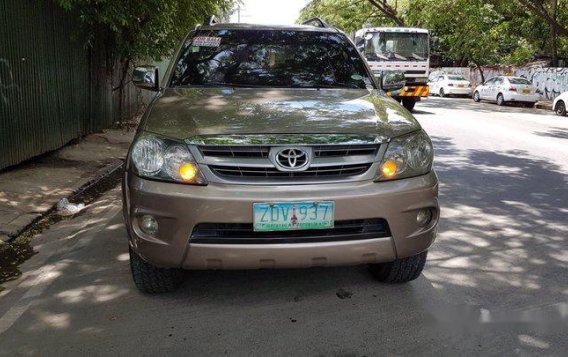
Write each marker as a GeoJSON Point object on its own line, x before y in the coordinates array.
{"type": "Point", "coordinates": [456, 78]}
{"type": "Point", "coordinates": [395, 46]}
{"type": "Point", "coordinates": [519, 81]}
{"type": "Point", "coordinates": [276, 58]}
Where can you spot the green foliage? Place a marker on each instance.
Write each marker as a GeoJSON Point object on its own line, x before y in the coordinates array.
{"type": "Point", "coordinates": [141, 28]}
{"type": "Point", "coordinates": [348, 15]}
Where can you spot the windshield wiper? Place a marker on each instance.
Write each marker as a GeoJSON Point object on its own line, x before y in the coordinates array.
{"type": "Point", "coordinates": [380, 55]}
{"type": "Point", "coordinates": [415, 56]}
{"type": "Point", "coordinates": [338, 85]}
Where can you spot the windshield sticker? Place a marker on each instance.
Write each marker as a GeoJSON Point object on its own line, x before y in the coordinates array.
{"type": "Point", "coordinates": [356, 77]}
{"type": "Point", "coordinates": [205, 41]}
{"type": "Point", "coordinates": [194, 48]}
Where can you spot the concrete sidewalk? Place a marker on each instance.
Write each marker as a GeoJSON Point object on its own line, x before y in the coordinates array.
{"type": "Point", "coordinates": [32, 189]}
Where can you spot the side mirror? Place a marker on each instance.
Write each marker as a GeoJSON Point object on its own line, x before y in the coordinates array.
{"type": "Point", "coordinates": [146, 77]}
{"type": "Point", "coordinates": [392, 81]}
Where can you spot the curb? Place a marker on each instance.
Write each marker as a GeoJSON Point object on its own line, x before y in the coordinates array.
{"type": "Point", "coordinates": [101, 174]}
{"type": "Point", "coordinates": [543, 105]}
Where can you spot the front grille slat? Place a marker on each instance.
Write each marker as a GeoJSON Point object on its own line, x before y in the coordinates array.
{"type": "Point", "coordinates": [344, 150]}
{"type": "Point", "coordinates": [243, 233]}
{"type": "Point", "coordinates": [235, 151]}
{"type": "Point", "coordinates": [327, 171]}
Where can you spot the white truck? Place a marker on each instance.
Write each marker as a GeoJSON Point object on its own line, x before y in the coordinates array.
{"type": "Point", "coordinates": [400, 49]}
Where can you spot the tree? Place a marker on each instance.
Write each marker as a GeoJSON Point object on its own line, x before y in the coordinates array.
{"type": "Point", "coordinates": [471, 32]}
{"type": "Point", "coordinates": [142, 29]}
{"type": "Point", "coordinates": [555, 15]}
{"type": "Point", "coordinates": [388, 10]}
{"type": "Point", "coordinates": [350, 15]}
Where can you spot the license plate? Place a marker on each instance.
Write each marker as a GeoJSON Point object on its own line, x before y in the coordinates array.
{"type": "Point", "coordinates": [288, 216]}
{"type": "Point", "coordinates": [526, 91]}
{"type": "Point", "coordinates": [460, 85]}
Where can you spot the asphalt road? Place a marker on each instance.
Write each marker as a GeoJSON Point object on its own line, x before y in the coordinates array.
{"type": "Point", "coordinates": [496, 282]}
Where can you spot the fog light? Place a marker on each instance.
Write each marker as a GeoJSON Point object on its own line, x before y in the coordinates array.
{"type": "Point", "coordinates": [389, 169]}
{"type": "Point", "coordinates": [149, 225]}
{"type": "Point", "coordinates": [423, 217]}
{"type": "Point", "coordinates": [188, 171]}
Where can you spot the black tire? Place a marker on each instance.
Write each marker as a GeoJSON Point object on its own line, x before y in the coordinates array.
{"type": "Point", "coordinates": [401, 270]}
{"type": "Point", "coordinates": [442, 93]}
{"type": "Point", "coordinates": [151, 279]}
{"type": "Point", "coordinates": [529, 105]}
{"type": "Point", "coordinates": [560, 108]}
{"type": "Point", "coordinates": [500, 100]}
{"type": "Point", "coordinates": [476, 97]}
{"type": "Point", "coordinates": [408, 103]}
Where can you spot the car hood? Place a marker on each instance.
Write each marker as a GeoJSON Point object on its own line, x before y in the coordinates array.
{"type": "Point", "coordinates": [183, 113]}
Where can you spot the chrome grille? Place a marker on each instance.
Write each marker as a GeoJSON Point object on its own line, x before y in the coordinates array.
{"type": "Point", "coordinates": [258, 163]}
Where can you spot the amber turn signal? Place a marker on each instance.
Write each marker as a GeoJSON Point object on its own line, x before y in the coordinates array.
{"type": "Point", "coordinates": [389, 168]}
{"type": "Point", "coordinates": [188, 171]}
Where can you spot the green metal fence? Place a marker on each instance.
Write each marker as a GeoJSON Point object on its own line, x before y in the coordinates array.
{"type": "Point", "coordinates": [52, 89]}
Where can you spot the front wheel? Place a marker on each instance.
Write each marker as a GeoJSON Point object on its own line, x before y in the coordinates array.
{"type": "Point", "coordinates": [500, 100]}
{"type": "Point", "coordinates": [401, 270]}
{"type": "Point", "coordinates": [476, 97]}
{"type": "Point", "coordinates": [560, 109]}
{"type": "Point", "coordinates": [408, 103]}
{"type": "Point", "coordinates": [152, 279]}
{"type": "Point", "coordinates": [442, 93]}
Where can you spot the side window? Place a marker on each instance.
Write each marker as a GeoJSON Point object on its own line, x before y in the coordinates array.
{"type": "Point", "coordinates": [499, 81]}
{"type": "Point", "coordinates": [490, 82]}
{"type": "Point", "coordinates": [441, 78]}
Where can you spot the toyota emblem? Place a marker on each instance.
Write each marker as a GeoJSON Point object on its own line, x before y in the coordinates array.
{"type": "Point", "coordinates": [292, 159]}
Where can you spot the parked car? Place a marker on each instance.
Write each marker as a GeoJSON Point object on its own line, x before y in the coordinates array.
{"type": "Point", "coordinates": [275, 147]}
{"type": "Point", "coordinates": [449, 84]}
{"type": "Point", "coordinates": [505, 89]}
{"type": "Point", "coordinates": [559, 104]}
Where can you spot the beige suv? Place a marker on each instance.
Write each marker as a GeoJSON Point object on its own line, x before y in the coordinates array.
{"type": "Point", "coordinates": [274, 147]}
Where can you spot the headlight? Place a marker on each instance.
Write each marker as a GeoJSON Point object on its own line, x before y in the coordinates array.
{"type": "Point", "coordinates": [164, 159]}
{"type": "Point", "coordinates": [407, 156]}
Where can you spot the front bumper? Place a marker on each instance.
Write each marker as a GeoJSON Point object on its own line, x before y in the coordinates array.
{"type": "Point", "coordinates": [178, 208]}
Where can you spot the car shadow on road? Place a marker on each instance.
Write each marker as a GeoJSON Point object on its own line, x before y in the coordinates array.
{"type": "Point", "coordinates": [558, 133]}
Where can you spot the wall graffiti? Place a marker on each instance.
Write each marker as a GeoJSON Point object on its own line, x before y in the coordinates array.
{"type": "Point", "coordinates": [550, 81]}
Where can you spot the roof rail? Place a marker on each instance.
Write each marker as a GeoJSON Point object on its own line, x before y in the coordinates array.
{"type": "Point", "coordinates": [317, 22]}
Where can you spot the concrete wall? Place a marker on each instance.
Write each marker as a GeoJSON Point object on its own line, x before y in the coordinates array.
{"type": "Point", "coordinates": [550, 81]}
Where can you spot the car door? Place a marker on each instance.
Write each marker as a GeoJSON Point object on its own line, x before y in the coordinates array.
{"type": "Point", "coordinates": [484, 91]}
{"type": "Point", "coordinates": [495, 88]}
{"type": "Point", "coordinates": [436, 85]}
